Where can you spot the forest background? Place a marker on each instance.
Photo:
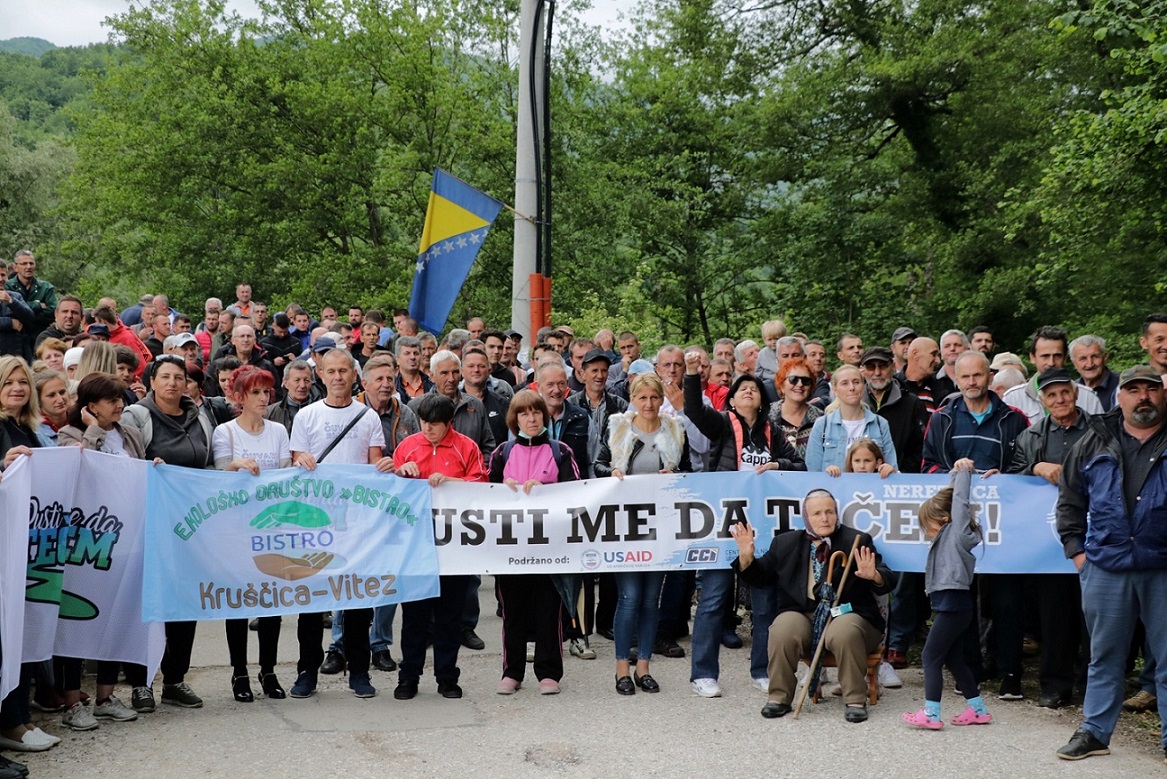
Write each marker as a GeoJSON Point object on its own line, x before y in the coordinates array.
{"type": "Point", "coordinates": [846, 165]}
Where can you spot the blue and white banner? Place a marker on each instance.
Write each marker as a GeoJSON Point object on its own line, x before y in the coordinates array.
{"type": "Point", "coordinates": [672, 522]}
{"type": "Point", "coordinates": [229, 545]}
{"type": "Point", "coordinates": [84, 530]}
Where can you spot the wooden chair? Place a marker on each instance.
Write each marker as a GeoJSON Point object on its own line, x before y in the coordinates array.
{"type": "Point", "coordinates": [873, 660]}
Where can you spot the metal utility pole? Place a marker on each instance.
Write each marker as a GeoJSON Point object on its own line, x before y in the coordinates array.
{"type": "Point", "coordinates": [530, 289]}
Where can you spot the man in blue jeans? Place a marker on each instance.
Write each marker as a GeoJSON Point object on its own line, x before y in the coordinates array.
{"type": "Point", "coordinates": [1112, 519]}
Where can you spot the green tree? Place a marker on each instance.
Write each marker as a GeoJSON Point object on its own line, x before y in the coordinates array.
{"type": "Point", "coordinates": [665, 151]}
{"type": "Point", "coordinates": [295, 152]}
{"type": "Point", "coordinates": [891, 134]}
{"type": "Point", "coordinates": [1103, 199]}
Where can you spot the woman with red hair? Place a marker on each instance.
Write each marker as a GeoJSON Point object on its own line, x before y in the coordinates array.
{"type": "Point", "coordinates": [252, 443]}
{"type": "Point", "coordinates": [795, 383]}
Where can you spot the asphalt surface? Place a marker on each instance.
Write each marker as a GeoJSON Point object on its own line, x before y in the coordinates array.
{"type": "Point", "coordinates": [586, 731]}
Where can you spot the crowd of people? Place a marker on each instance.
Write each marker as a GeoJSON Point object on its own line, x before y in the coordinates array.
{"type": "Point", "coordinates": [245, 389]}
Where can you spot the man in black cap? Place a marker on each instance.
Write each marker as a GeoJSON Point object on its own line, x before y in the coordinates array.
{"type": "Point", "coordinates": [901, 339]}
{"type": "Point", "coordinates": [594, 398]}
{"type": "Point", "coordinates": [99, 331]}
{"type": "Point", "coordinates": [1112, 519]}
{"type": "Point", "coordinates": [1040, 451]}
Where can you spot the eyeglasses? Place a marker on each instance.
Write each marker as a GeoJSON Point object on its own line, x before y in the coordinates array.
{"type": "Point", "coordinates": [797, 380]}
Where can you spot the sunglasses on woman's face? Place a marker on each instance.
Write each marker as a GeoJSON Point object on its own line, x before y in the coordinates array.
{"type": "Point", "coordinates": [796, 380]}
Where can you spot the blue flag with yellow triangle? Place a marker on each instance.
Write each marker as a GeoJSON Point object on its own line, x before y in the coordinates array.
{"type": "Point", "coordinates": [456, 222]}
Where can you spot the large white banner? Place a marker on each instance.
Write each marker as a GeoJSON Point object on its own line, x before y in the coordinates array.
{"type": "Point", "coordinates": [85, 541]}
{"type": "Point", "coordinates": [15, 491]}
{"type": "Point", "coordinates": [682, 521]}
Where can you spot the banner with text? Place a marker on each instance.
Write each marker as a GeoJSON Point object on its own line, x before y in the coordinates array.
{"type": "Point", "coordinates": [229, 545]}
{"type": "Point", "coordinates": [671, 522]}
{"type": "Point", "coordinates": [84, 542]}
{"type": "Point", "coordinates": [15, 492]}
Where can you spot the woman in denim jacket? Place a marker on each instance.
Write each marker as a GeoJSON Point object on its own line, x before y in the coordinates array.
{"type": "Point", "coordinates": [845, 422]}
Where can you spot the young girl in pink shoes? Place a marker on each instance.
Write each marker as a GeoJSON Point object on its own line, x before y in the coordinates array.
{"type": "Point", "coordinates": [947, 522]}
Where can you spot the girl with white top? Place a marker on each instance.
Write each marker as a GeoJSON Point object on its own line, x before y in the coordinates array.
{"type": "Point", "coordinates": [252, 443]}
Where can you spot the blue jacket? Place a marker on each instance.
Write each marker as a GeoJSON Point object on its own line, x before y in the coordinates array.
{"type": "Point", "coordinates": [953, 434]}
{"type": "Point", "coordinates": [12, 340]}
{"type": "Point", "coordinates": [828, 440]}
{"type": "Point", "coordinates": [1092, 514]}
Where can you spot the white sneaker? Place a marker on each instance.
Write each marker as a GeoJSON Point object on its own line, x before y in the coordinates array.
{"type": "Point", "coordinates": [530, 651]}
{"type": "Point", "coordinates": [48, 738]}
{"type": "Point", "coordinates": [78, 717]}
{"type": "Point", "coordinates": [579, 648]}
{"type": "Point", "coordinates": [888, 676]}
{"type": "Point", "coordinates": [707, 688]}
{"type": "Point", "coordinates": [762, 683]}
{"type": "Point", "coordinates": [115, 710]}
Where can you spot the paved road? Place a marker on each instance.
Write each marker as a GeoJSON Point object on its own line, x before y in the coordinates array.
{"type": "Point", "coordinates": [587, 731]}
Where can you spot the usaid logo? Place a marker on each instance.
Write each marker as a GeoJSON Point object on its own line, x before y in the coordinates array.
{"type": "Point", "coordinates": [701, 554]}
{"type": "Point", "coordinates": [590, 559]}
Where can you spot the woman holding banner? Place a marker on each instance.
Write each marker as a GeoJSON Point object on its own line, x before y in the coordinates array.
{"type": "Point", "coordinates": [173, 432]}
{"type": "Point", "coordinates": [742, 438]}
{"type": "Point", "coordinates": [845, 422]}
{"type": "Point", "coordinates": [641, 441]}
{"type": "Point", "coordinates": [19, 419]}
{"type": "Point", "coordinates": [252, 443]}
{"type": "Point", "coordinates": [530, 602]}
{"type": "Point", "coordinates": [94, 423]}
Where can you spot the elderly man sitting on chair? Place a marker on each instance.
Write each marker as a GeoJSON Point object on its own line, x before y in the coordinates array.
{"type": "Point", "coordinates": [796, 563]}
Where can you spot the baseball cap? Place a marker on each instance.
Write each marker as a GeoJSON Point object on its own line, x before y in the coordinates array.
{"type": "Point", "coordinates": [901, 333]}
{"type": "Point", "coordinates": [1004, 360]}
{"type": "Point", "coordinates": [876, 353]}
{"type": "Point", "coordinates": [639, 366]}
{"type": "Point", "coordinates": [1053, 376]}
{"type": "Point", "coordinates": [99, 330]}
{"type": "Point", "coordinates": [596, 354]}
{"type": "Point", "coordinates": [182, 339]}
{"type": "Point", "coordinates": [1139, 373]}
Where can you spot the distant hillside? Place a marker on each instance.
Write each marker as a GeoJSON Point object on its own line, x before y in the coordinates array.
{"type": "Point", "coordinates": [31, 46]}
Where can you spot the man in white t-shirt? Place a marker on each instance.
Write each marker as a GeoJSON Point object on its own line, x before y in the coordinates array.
{"type": "Point", "coordinates": [321, 432]}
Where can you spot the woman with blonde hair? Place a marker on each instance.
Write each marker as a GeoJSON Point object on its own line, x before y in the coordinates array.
{"type": "Point", "coordinates": [97, 357]}
{"type": "Point", "coordinates": [19, 419]}
{"type": "Point", "coordinates": [846, 421]}
{"type": "Point", "coordinates": [641, 441]}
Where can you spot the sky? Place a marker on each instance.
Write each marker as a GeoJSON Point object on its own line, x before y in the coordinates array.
{"type": "Point", "coordinates": [78, 22]}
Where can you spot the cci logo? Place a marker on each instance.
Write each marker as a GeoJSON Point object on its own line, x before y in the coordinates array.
{"type": "Point", "coordinates": [701, 554]}
{"type": "Point", "coordinates": [590, 559]}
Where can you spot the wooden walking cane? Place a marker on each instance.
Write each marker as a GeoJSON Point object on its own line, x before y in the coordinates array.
{"type": "Point", "coordinates": [818, 652]}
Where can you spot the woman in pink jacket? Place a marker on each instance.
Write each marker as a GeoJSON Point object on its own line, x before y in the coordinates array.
{"type": "Point", "coordinates": [530, 601]}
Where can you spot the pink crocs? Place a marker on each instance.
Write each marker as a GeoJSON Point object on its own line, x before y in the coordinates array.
{"type": "Point", "coordinates": [921, 720]}
{"type": "Point", "coordinates": [970, 717]}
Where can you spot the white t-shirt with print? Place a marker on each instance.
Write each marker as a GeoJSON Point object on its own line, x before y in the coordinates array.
{"type": "Point", "coordinates": [318, 424]}
{"type": "Point", "coordinates": [269, 448]}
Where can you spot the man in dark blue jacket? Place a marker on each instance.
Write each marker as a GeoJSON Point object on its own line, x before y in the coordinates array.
{"type": "Point", "coordinates": [16, 320]}
{"type": "Point", "coordinates": [1112, 519]}
{"type": "Point", "coordinates": [978, 427]}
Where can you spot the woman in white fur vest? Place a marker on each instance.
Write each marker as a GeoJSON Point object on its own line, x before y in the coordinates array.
{"type": "Point", "coordinates": [641, 441]}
